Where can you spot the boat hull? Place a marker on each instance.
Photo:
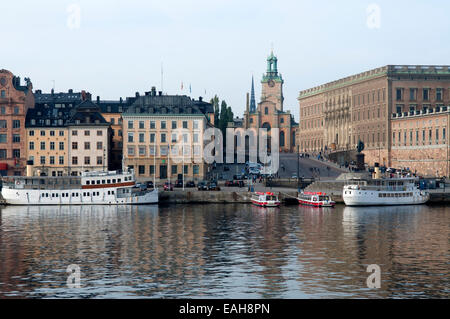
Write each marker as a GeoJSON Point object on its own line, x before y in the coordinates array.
{"type": "Point", "coordinates": [315, 204]}
{"type": "Point", "coordinates": [66, 197]}
{"type": "Point", "coordinates": [371, 198]}
{"type": "Point", "coordinates": [266, 204]}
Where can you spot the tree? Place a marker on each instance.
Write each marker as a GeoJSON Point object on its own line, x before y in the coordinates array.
{"type": "Point", "coordinates": [215, 102]}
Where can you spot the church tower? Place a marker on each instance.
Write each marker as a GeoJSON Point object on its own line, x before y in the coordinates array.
{"type": "Point", "coordinates": [272, 84]}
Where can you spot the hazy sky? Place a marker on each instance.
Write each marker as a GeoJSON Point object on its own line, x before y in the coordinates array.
{"type": "Point", "coordinates": [115, 48]}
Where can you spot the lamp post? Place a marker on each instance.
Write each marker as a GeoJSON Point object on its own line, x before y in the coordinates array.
{"type": "Point", "coordinates": [298, 168]}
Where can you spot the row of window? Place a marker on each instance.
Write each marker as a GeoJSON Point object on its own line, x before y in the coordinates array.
{"type": "Point", "coordinates": [76, 194]}
{"type": "Point", "coordinates": [383, 195]}
{"type": "Point", "coordinates": [16, 110]}
{"type": "Point", "coordinates": [164, 150]}
{"type": "Point", "coordinates": [4, 153]}
{"type": "Point", "coordinates": [61, 133]}
{"type": "Point", "coordinates": [414, 94]}
{"type": "Point", "coordinates": [108, 181]}
{"type": "Point", "coordinates": [398, 135]}
{"type": "Point", "coordinates": [4, 123]}
{"type": "Point", "coordinates": [87, 160]}
{"type": "Point", "coordinates": [31, 146]}
{"type": "Point", "coordinates": [162, 124]}
{"type": "Point", "coordinates": [163, 138]}
{"type": "Point", "coordinates": [163, 168]}
{"type": "Point", "coordinates": [15, 138]}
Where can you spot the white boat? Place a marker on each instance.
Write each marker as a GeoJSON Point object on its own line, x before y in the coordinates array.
{"type": "Point", "coordinates": [384, 191]}
{"type": "Point", "coordinates": [267, 199]}
{"type": "Point", "coordinates": [91, 188]}
{"type": "Point", "coordinates": [316, 199]}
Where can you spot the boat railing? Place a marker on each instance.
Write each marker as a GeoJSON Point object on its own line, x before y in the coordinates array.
{"type": "Point", "coordinates": [378, 188]}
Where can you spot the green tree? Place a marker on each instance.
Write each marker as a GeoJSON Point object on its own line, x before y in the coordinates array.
{"type": "Point", "coordinates": [215, 102]}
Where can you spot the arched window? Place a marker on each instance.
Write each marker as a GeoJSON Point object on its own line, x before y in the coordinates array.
{"type": "Point", "coordinates": [266, 110]}
{"type": "Point", "coordinates": [282, 139]}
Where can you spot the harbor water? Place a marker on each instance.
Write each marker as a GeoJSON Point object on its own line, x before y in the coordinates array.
{"type": "Point", "coordinates": [224, 251]}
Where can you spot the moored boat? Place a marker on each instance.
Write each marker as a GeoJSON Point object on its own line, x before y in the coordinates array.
{"type": "Point", "coordinates": [267, 199]}
{"type": "Point", "coordinates": [317, 199]}
{"type": "Point", "coordinates": [93, 188]}
{"type": "Point", "coordinates": [384, 192]}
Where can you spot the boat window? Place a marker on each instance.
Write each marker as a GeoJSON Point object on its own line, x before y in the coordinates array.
{"type": "Point", "coordinates": [112, 192]}
{"type": "Point", "coordinates": [88, 182]}
{"type": "Point", "coordinates": [98, 181]}
{"type": "Point", "coordinates": [108, 181]}
{"type": "Point", "coordinates": [119, 180]}
{"type": "Point", "coordinates": [103, 181]}
{"type": "Point", "coordinates": [114, 180]}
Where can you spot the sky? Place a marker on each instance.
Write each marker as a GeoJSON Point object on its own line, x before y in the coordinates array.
{"type": "Point", "coordinates": [116, 48]}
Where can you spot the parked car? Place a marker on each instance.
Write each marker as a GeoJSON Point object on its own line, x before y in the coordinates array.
{"type": "Point", "coordinates": [212, 186]}
{"type": "Point", "coordinates": [179, 184]}
{"type": "Point", "coordinates": [168, 187]}
{"type": "Point", "coordinates": [149, 184]}
{"type": "Point", "coordinates": [294, 176]}
{"type": "Point", "coordinates": [141, 186]}
{"type": "Point", "coordinates": [202, 186]}
{"type": "Point", "coordinates": [231, 183]}
{"type": "Point", "coordinates": [190, 184]}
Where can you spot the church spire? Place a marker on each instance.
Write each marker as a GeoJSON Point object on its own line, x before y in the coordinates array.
{"type": "Point", "coordinates": [252, 98]}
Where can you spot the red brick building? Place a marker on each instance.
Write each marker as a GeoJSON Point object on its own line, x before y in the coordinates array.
{"type": "Point", "coordinates": [336, 115]}
{"type": "Point", "coordinates": [15, 100]}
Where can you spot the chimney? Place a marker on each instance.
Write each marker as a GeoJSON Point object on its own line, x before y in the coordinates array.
{"type": "Point", "coordinates": [160, 93]}
{"type": "Point", "coordinates": [200, 98]}
{"type": "Point", "coordinates": [121, 100]}
{"type": "Point", "coordinates": [98, 99]}
{"type": "Point", "coordinates": [137, 94]}
{"type": "Point", "coordinates": [71, 91]}
{"type": "Point", "coordinates": [153, 91]}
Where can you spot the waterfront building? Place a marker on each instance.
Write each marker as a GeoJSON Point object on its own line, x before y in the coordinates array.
{"type": "Point", "coordinates": [269, 113]}
{"type": "Point", "coordinates": [112, 113]}
{"type": "Point", "coordinates": [420, 141]}
{"type": "Point", "coordinates": [163, 137]}
{"type": "Point", "coordinates": [336, 115]}
{"type": "Point", "coordinates": [15, 100]}
{"type": "Point", "coordinates": [64, 141]}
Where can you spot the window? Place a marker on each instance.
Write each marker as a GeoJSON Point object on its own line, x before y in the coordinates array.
{"type": "Point", "coordinates": [141, 137]}
{"type": "Point", "coordinates": [141, 125]}
{"type": "Point", "coordinates": [174, 137]}
{"type": "Point", "coordinates": [266, 110]}
{"type": "Point", "coordinates": [3, 94]}
{"type": "Point", "coordinates": [52, 133]}
{"type": "Point", "coordinates": [87, 133]}
{"type": "Point", "coordinates": [196, 169]}
{"type": "Point", "coordinates": [52, 145]}
{"type": "Point", "coordinates": [152, 125]}
{"type": "Point", "coordinates": [186, 169]}
{"type": "Point", "coordinates": [426, 94]}
{"type": "Point", "coordinates": [195, 125]}
{"type": "Point", "coordinates": [163, 138]}
{"type": "Point", "coordinates": [3, 124]}
{"type": "Point", "coordinates": [174, 125]}
{"type": "Point", "coordinates": [398, 95]}
{"type": "Point", "coordinates": [141, 150]}
{"type": "Point", "coordinates": [152, 169]}
{"type": "Point", "coordinates": [30, 147]}
{"type": "Point", "coordinates": [399, 109]}
{"type": "Point", "coordinates": [99, 145]}
{"type": "Point", "coordinates": [2, 153]}
{"type": "Point", "coordinates": [130, 137]}
{"type": "Point", "coordinates": [195, 138]}
{"type": "Point", "coordinates": [31, 133]}
{"type": "Point", "coordinates": [412, 94]}
{"type": "Point", "coordinates": [87, 145]}
{"type": "Point", "coordinates": [87, 160]}
{"type": "Point", "coordinates": [185, 124]}
{"type": "Point", "coordinates": [16, 110]}
{"type": "Point", "coordinates": [443, 134]}
{"type": "Point", "coordinates": [61, 160]}
{"type": "Point", "coordinates": [74, 133]}
{"type": "Point", "coordinates": [3, 138]}
{"type": "Point", "coordinates": [174, 169]}
{"type": "Point", "coordinates": [99, 133]}
{"type": "Point", "coordinates": [438, 94]}
{"type": "Point", "coordinates": [16, 124]}
{"type": "Point", "coordinates": [42, 160]}
{"type": "Point", "coordinates": [437, 136]}
{"type": "Point", "coordinates": [16, 153]}
{"type": "Point", "coordinates": [141, 169]}
{"type": "Point", "coordinates": [2, 110]}
{"type": "Point", "coordinates": [61, 146]}
{"type": "Point", "coordinates": [42, 146]}
{"type": "Point", "coordinates": [130, 124]}
{"type": "Point", "coordinates": [99, 160]}
{"type": "Point", "coordinates": [16, 138]}
{"type": "Point", "coordinates": [74, 160]}
{"type": "Point", "coordinates": [61, 133]}
{"type": "Point", "coordinates": [52, 160]}
{"type": "Point", "coordinates": [152, 138]}
{"type": "Point", "coordinates": [163, 125]}
{"type": "Point", "coordinates": [74, 145]}
{"type": "Point", "coordinates": [131, 151]}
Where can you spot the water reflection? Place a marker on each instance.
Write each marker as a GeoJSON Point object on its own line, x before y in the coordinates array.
{"type": "Point", "coordinates": [224, 251]}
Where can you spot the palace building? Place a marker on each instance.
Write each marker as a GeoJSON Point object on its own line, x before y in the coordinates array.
{"type": "Point", "coordinates": [269, 113]}
{"type": "Point", "coordinates": [336, 115]}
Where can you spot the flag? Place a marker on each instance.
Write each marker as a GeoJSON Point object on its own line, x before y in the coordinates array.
{"type": "Point", "coordinates": [181, 86]}
{"type": "Point", "coordinates": [190, 89]}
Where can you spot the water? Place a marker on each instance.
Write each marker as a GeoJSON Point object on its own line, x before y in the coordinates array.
{"type": "Point", "coordinates": [224, 251]}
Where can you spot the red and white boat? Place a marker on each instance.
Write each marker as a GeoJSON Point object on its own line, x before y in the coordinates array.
{"type": "Point", "coordinates": [265, 199]}
{"type": "Point", "coordinates": [317, 199]}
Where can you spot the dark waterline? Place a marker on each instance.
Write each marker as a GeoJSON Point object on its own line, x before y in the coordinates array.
{"type": "Point", "coordinates": [224, 251]}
